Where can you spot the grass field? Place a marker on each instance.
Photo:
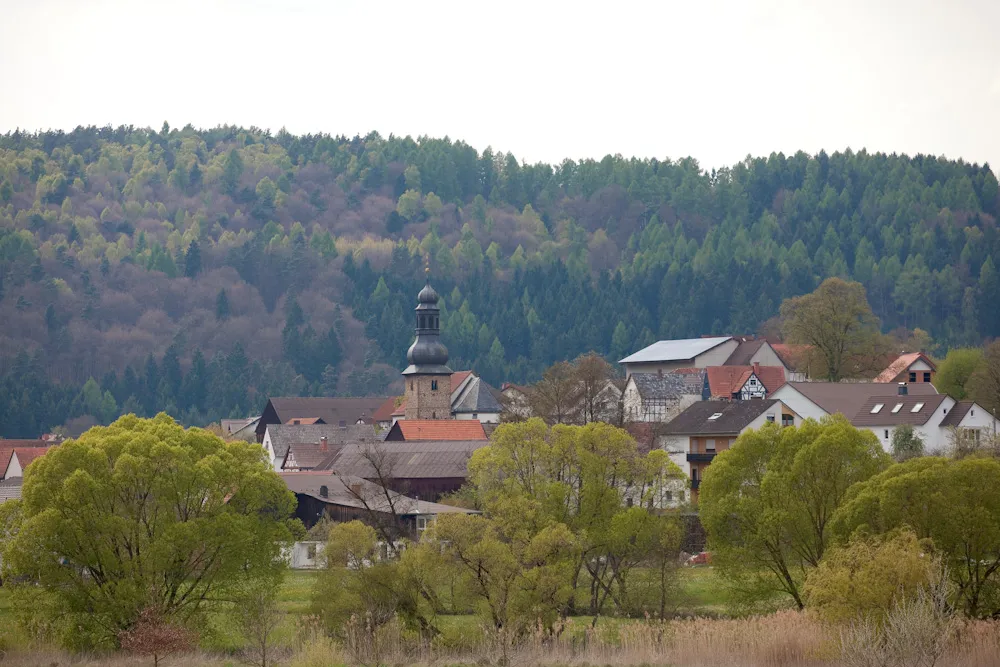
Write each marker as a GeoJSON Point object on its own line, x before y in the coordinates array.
{"type": "Point", "coordinates": [700, 592]}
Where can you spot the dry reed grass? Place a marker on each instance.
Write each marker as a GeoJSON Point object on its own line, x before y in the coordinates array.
{"type": "Point", "coordinates": [784, 639]}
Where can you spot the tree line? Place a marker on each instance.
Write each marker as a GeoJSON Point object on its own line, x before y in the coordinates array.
{"type": "Point", "coordinates": [118, 243]}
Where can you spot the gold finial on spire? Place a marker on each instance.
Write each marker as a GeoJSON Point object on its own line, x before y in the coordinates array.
{"type": "Point", "coordinates": [427, 267]}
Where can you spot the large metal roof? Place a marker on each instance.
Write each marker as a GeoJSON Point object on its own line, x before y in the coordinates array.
{"type": "Point", "coordinates": [674, 350]}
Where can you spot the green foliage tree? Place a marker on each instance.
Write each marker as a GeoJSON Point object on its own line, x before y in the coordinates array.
{"type": "Point", "coordinates": [954, 372]}
{"type": "Point", "coordinates": [222, 310]}
{"type": "Point", "coordinates": [953, 503]}
{"type": "Point", "coordinates": [232, 171]}
{"type": "Point", "coordinates": [866, 576]}
{"type": "Point", "coordinates": [192, 260]}
{"type": "Point", "coordinates": [162, 518]}
{"type": "Point", "coordinates": [837, 321]}
{"type": "Point", "coordinates": [592, 480]}
{"type": "Point", "coordinates": [409, 205]}
{"type": "Point", "coordinates": [984, 383]}
{"type": "Point", "coordinates": [767, 502]}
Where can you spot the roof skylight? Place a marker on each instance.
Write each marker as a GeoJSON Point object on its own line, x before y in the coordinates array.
{"type": "Point", "coordinates": [878, 408]}
{"type": "Point", "coordinates": [898, 407]}
{"type": "Point", "coordinates": [715, 416]}
{"type": "Point", "coordinates": [917, 407]}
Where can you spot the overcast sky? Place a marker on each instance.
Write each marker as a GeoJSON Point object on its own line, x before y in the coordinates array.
{"type": "Point", "coordinates": [715, 79]}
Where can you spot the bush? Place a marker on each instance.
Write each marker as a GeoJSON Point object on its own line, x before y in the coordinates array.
{"type": "Point", "coordinates": [864, 577]}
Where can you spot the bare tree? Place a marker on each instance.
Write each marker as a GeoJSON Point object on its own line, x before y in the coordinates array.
{"type": "Point", "coordinates": [597, 393]}
{"type": "Point", "coordinates": [556, 397]}
{"type": "Point", "coordinates": [259, 618]}
{"type": "Point", "coordinates": [383, 506]}
{"type": "Point", "coordinates": [155, 636]}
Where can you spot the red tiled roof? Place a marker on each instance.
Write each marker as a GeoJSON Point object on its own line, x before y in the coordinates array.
{"type": "Point", "coordinates": [439, 429]}
{"type": "Point", "coordinates": [304, 421]}
{"type": "Point", "coordinates": [724, 381]}
{"type": "Point", "coordinates": [386, 410]}
{"type": "Point", "coordinates": [26, 455]}
{"type": "Point", "coordinates": [456, 380]}
{"type": "Point", "coordinates": [792, 355]}
{"type": "Point", "coordinates": [5, 454]}
{"type": "Point", "coordinates": [901, 363]}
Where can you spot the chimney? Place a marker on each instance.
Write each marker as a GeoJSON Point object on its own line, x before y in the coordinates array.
{"type": "Point", "coordinates": [659, 371]}
{"type": "Point", "coordinates": [756, 368]}
{"type": "Point", "coordinates": [902, 389]}
{"type": "Point", "coordinates": [356, 489]}
{"type": "Point", "coordinates": [324, 492]}
{"type": "Point", "coordinates": [322, 444]}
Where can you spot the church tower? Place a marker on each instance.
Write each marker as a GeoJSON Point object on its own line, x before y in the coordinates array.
{"type": "Point", "coordinates": [428, 378]}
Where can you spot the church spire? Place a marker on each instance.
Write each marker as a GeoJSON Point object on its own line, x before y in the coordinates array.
{"type": "Point", "coordinates": [428, 378]}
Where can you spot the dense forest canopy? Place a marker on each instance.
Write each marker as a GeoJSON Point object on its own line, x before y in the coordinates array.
{"type": "Point", "coordinates": [199, 271]}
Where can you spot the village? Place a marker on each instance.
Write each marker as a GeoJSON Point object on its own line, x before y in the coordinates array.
{"type": "Point", "coordinates": [401, 458]}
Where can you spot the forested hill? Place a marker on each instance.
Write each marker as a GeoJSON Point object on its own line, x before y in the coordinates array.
{"type": "Point", "coordinates": [200, 270]}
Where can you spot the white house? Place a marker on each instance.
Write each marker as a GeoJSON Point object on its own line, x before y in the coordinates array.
{"type": "Point", "coordinates": [656, 397]}
{"type": "Point", "coordinates": [669, 355]}
{"type": "Point", "coordinates": [706, 428]}
{"type": "Point", "coordinates": [936, 419]}
{"type": "Point", "coordinates": [819, 399]}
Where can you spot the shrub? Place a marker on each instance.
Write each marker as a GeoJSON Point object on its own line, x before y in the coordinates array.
{"type": "Point", "coordinates": [864, 577]}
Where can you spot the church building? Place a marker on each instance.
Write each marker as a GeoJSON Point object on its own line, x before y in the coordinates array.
{"type": "Point", "coordinates": [428, 378]}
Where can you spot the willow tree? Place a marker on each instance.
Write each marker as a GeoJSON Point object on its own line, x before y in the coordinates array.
{"type": "Point", "coordinates": [141, 517]}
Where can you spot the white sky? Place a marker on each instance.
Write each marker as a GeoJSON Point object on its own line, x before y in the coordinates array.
{"type": "Point", "coordinates": [714, 79]}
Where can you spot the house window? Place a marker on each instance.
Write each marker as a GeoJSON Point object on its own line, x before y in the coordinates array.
{"type": "Point", "coordinates": [710, 445]}
{"type": "Point", "coordinates": [770, 419]}
{"type": "Point", "coordinates": [411, 385]}
{"type": "Point", "coordinates": [668, 496]}
{"type": "Point", "coordinates": [434, 385]}
{"type": "Point", "coordinates": [887, 434]}
{"type": "Point", "coordinates": [787, 420]}
{"type": "Point", "coordinates": [421, 523]}
{"type": "Point", "coordinates": [310, 551]}
{"type": "Point", "coordinates": [913, 376]}
{"type": "Point", "coordinates": [434, 415]}
{"type": "Point", "coordinates": [475, 415]}
{"type": "Point", "coordinates": [927, 376]}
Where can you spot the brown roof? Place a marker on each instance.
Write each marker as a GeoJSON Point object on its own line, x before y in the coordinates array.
{"type": "Point", "coordinates": [957, 413]}
{"type": "Point", "coordinates": [718, 417]}
{"type": "Point", "coordinates": [351, 491]}
{"type": "Point", "coordinates": [308, 455]}
{"type": "Point", "coordinates": [724, 381]}
{"type": "Point", "coordinates": [744, 351]}
{"type": "Point", "coordinates": [436, 429]}
{"type": "Point", "coordinates": [421, 459]}
{"type": "Point", "coordinates": [26, 455]}
{"type": "Point", "coordinates": [889, 415]}
{"type": "Point", "coordinates": [792, 355]}
{"type": "Point", "coordinates": [305, 421]}
{"type": "Point", "coordinates": [848, 397]}
{"type": "Point", "coordinates": [330, 410]}
{"type": "Point", "coordinates": [900, 365]}
{"type": "Point", "coordinates": [5, 454]}
{"type": "Point", "coordinates": [385, 411]}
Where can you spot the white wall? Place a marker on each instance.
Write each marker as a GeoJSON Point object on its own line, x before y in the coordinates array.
{"type": "Point", "coordinates": [305, 555]}
{"type": "Point", "coordinates": [766, 356]}
{"type": "Point", "coordinates": [798, 403]}
{"type": "Point", "coordinates": [269, 448]}
{"type": "Point", "coordinates": [677, 447]}
{"type": "Point", "coordinates": [483, 417]}
{"type": "Point", "coordinates": [14, 468]}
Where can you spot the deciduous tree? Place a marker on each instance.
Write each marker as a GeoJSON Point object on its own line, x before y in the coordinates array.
{"type": "Point", "coordinates": [143, 514]}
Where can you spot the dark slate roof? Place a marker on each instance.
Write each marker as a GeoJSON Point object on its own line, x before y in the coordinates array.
{"type": "Point", "coordinates": [848, 397]}
{"type": "Point", "coordinates": [744, 352]}
{"type": "Point", "coordinates": [476, 396]}
{"type": "Point", "coordinates": [330, 410]}
{"type": "Point", "coordinates": [957, 413]}
{"type": "Point", "coordinates": [285, 435]}
{"type": "Point", "coordinates": [657, 386]}
{"type": "Point", "coordinates": [734, 416]}
{"type": "Point", "coordinates": [422, 459]}
{"type": "Point", "coordinates": [344, 490]}
{"type": "Point", "coordinates": [10, 489]}
{"type": "Point", "coordinates": [904, 415]}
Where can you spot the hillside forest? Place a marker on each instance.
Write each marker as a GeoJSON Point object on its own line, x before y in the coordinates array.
{"type": "Point", "coordinates": [199, 271]}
